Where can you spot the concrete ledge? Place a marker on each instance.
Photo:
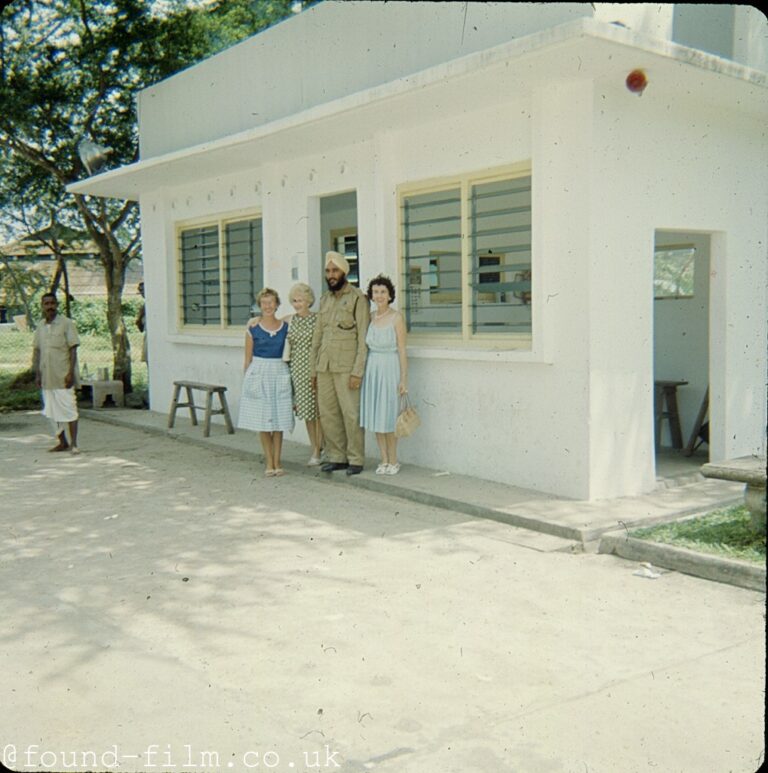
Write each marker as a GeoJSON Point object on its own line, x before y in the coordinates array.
{"type": "Point", "coordinates": [724, 570]}
{"type": "Point", "coordinates": [564, 525]}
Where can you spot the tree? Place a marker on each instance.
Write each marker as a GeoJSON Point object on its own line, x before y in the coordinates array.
{"type": "Point", "coordinates": [69, 71]}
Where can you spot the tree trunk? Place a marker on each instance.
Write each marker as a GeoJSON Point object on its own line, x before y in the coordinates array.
{"type": "Point", "coordinates": [114, 270]}
{"type": "Point", "coordinates": [61, 271]}
{"type": "Point", "coordinates": [121, 344]}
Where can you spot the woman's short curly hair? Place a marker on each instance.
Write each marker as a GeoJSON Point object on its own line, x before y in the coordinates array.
{"type": "Point", "coordinates": [384, 281]}
{"type": "Point", "coordinates": [302, 289]}
{"type": "Point", "coordinates": [267, 291]}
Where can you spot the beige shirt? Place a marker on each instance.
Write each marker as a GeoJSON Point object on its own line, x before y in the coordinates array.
{"type": "Point", "coordinates": [338, 343]}
{"type": "Point", "coordinates": [54, 341]}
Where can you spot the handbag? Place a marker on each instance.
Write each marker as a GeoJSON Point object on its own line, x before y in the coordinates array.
{"type": "Point", "coordinates": [407, 420]}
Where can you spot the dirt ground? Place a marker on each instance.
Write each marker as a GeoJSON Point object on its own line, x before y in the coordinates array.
{"type": "Point", "coordinates": [166, 607]}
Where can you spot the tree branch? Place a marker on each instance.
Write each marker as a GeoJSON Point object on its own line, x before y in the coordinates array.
{"type": "Point", "coordinates": [37, 157]}
{"type": "Point", "coordinates": [126, 210]}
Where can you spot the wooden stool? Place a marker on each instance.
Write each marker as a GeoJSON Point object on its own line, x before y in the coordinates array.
{"type": "Point", "coordinates": [210, 390]}
{"type": "Point", "coordinates": [665, 393]}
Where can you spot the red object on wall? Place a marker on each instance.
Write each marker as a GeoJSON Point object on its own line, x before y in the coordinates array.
{"type": "Point", "coordinates": [636, 81]}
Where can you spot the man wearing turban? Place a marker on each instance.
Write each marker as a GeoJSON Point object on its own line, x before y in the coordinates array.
{"type": "Point", "coordinates": [338, 362]}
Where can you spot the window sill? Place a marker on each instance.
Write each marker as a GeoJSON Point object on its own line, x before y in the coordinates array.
{"type": "Point", "coordinates": [232, 338]}
{"type": "Point", "coordinates": [472, 354]}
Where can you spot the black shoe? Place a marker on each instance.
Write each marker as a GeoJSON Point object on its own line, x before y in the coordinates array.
{"type": "Point", "coordinates": [333, 466]}
{"type": "Point", "coordinates": [354, 469]}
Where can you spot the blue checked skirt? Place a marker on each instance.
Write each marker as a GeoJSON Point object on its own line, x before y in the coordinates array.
{"type": "Point", "coordinates": [266, 402]}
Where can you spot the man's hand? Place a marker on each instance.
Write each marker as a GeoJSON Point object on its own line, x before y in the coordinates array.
{"type": "Point", "coordinates": [69, 379]}
{"type": "Point", "coordinates": [354, 382]}
{"type": "Point", "coordinates": [313, 383]}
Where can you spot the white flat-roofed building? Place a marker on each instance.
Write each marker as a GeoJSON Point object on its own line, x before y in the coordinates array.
{"type": "Point", "coordinates": [558, 241]}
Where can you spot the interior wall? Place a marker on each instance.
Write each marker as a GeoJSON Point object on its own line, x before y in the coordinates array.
{"type": "Point", "coordinates": [337, 211]}
{"type": "Point", "coordinates": [681, 334]}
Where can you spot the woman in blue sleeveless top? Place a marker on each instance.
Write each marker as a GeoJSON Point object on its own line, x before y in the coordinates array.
{"type": "Point", "coordinates": [386, 373]}
{"type": "Point", "coordinates": [266, 402]}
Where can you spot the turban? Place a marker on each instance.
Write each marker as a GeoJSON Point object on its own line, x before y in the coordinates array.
{"type": "Point", "coordinates": [338, 260]}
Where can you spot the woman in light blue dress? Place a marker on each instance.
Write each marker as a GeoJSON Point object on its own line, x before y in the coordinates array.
{"type": "Point", "coordinates": [386, 373]}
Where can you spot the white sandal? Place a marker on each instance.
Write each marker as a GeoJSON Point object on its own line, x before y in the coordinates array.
{"type": "Point", "coordinates": [392, 469]}
{"type": "Point", "coordinates": [382, 469]}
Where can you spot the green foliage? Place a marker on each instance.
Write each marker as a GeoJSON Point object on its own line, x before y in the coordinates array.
{"type": "Point", "coordinates": [18, 393]}
{"type": "Point", "coordinates": [90, 315]}
{"type": "Point", "coordinates": [725, 532]}
{"type": "Point", "coordinates": [70, 71]}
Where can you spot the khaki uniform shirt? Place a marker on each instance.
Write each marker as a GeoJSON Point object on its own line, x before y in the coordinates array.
{"type": "Point", "coordinates": [54, 341]}
{"type": "Point", "coordinates": [338, 343]}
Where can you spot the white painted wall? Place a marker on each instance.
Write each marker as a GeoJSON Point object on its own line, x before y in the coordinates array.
{"type": "Point", "coordinates": [688, 168]}
{"type": "Point", "coordinates": [574, 416]}
{"type": "Point", "coordinates": [330, 50]}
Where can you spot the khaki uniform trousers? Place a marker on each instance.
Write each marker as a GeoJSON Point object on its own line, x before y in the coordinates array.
{"type": "Point", "coordinates": [340, 418]}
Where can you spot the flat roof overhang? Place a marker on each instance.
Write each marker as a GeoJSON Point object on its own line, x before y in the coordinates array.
{"type": "Point", "coordinates": [581, 50]}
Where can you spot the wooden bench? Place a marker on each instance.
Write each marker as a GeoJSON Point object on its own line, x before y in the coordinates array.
{"type": "Point", "coordinates": [210, 390]}
{"type": "Point", "coordinates": [751, 471]}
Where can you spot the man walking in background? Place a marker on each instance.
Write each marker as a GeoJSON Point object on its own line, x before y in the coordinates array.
{"type": "Point", "coordinates": [54, 359]}
{"type": "Point", "coordinates": [338, 362]}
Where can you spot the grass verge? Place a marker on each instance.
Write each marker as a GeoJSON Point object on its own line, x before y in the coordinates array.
{"type": "Point", "coordinates": [725, 533]}
{"type": "Point", "coordinates": [18, 392]}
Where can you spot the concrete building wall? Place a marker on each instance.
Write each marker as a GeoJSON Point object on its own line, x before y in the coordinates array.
{"type": "Point", "coordinates": [328, 51]}
{"type": "Point", "coordinates": [694, 169]}
{"type": "Point", "coordinates": [573, 415]}
{"type": "Point", "coordinates": [338, 48]}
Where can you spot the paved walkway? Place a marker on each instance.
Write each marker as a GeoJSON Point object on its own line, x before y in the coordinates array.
{"type": "Point", "coordinates": [166, 605]}
{"type": "Point", "coordinates": [682, 489]}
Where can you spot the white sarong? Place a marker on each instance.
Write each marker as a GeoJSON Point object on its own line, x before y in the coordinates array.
{"type": "Point", "coordinates": [60, 407]}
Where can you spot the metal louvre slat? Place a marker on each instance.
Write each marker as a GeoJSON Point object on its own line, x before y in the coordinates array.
{"type": "Point", "coordinates": [502, 192]}
{"type": "Point", "coordinates": [502, 287]}
{"type": "Point", "coordinates": [409, 206]}
{"type": "Point", "coordinates": [500, 267]}
{"type": "Point", "coordinates": [506, 248]}
{"type": "Point", "coordinates": [417, 223]}
{"type": "Point", "coordinates": [433, 238]}
{"type": "Point", "coordinates": [500, 212]}
{"type": "Point", "coordinates": [514, 229]}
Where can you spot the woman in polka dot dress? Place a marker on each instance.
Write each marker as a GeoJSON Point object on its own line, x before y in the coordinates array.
{"type": "Point", "coordinates": [300, 330]}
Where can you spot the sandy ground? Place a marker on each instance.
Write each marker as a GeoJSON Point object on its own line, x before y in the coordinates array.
{"type": "Point", "coordinates": [166, 608]}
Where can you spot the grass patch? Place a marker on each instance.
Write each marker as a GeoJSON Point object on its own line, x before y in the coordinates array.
{"type": "Point", "coordinates": [725, 533]}
{"type": "Point", "coordinates": [18, 392]}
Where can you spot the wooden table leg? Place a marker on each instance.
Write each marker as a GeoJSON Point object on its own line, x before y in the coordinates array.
{"type": "Point", "coordinates": [207, 419]}
{"type": "Point", "coordinates": [174, 405]}
{"type": "Point", "coordinates": [191, 403]}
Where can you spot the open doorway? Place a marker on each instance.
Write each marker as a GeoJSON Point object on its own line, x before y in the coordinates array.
{"type": "Point", "coordinates": [338, 231]}
{"type": "Point", "coordinates": [681, 350]}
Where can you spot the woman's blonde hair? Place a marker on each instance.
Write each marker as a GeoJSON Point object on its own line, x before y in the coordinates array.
{"type": "Point", "coordinates": [267, 291]}
{"type": "Point", "coordinates": [303, 289]}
